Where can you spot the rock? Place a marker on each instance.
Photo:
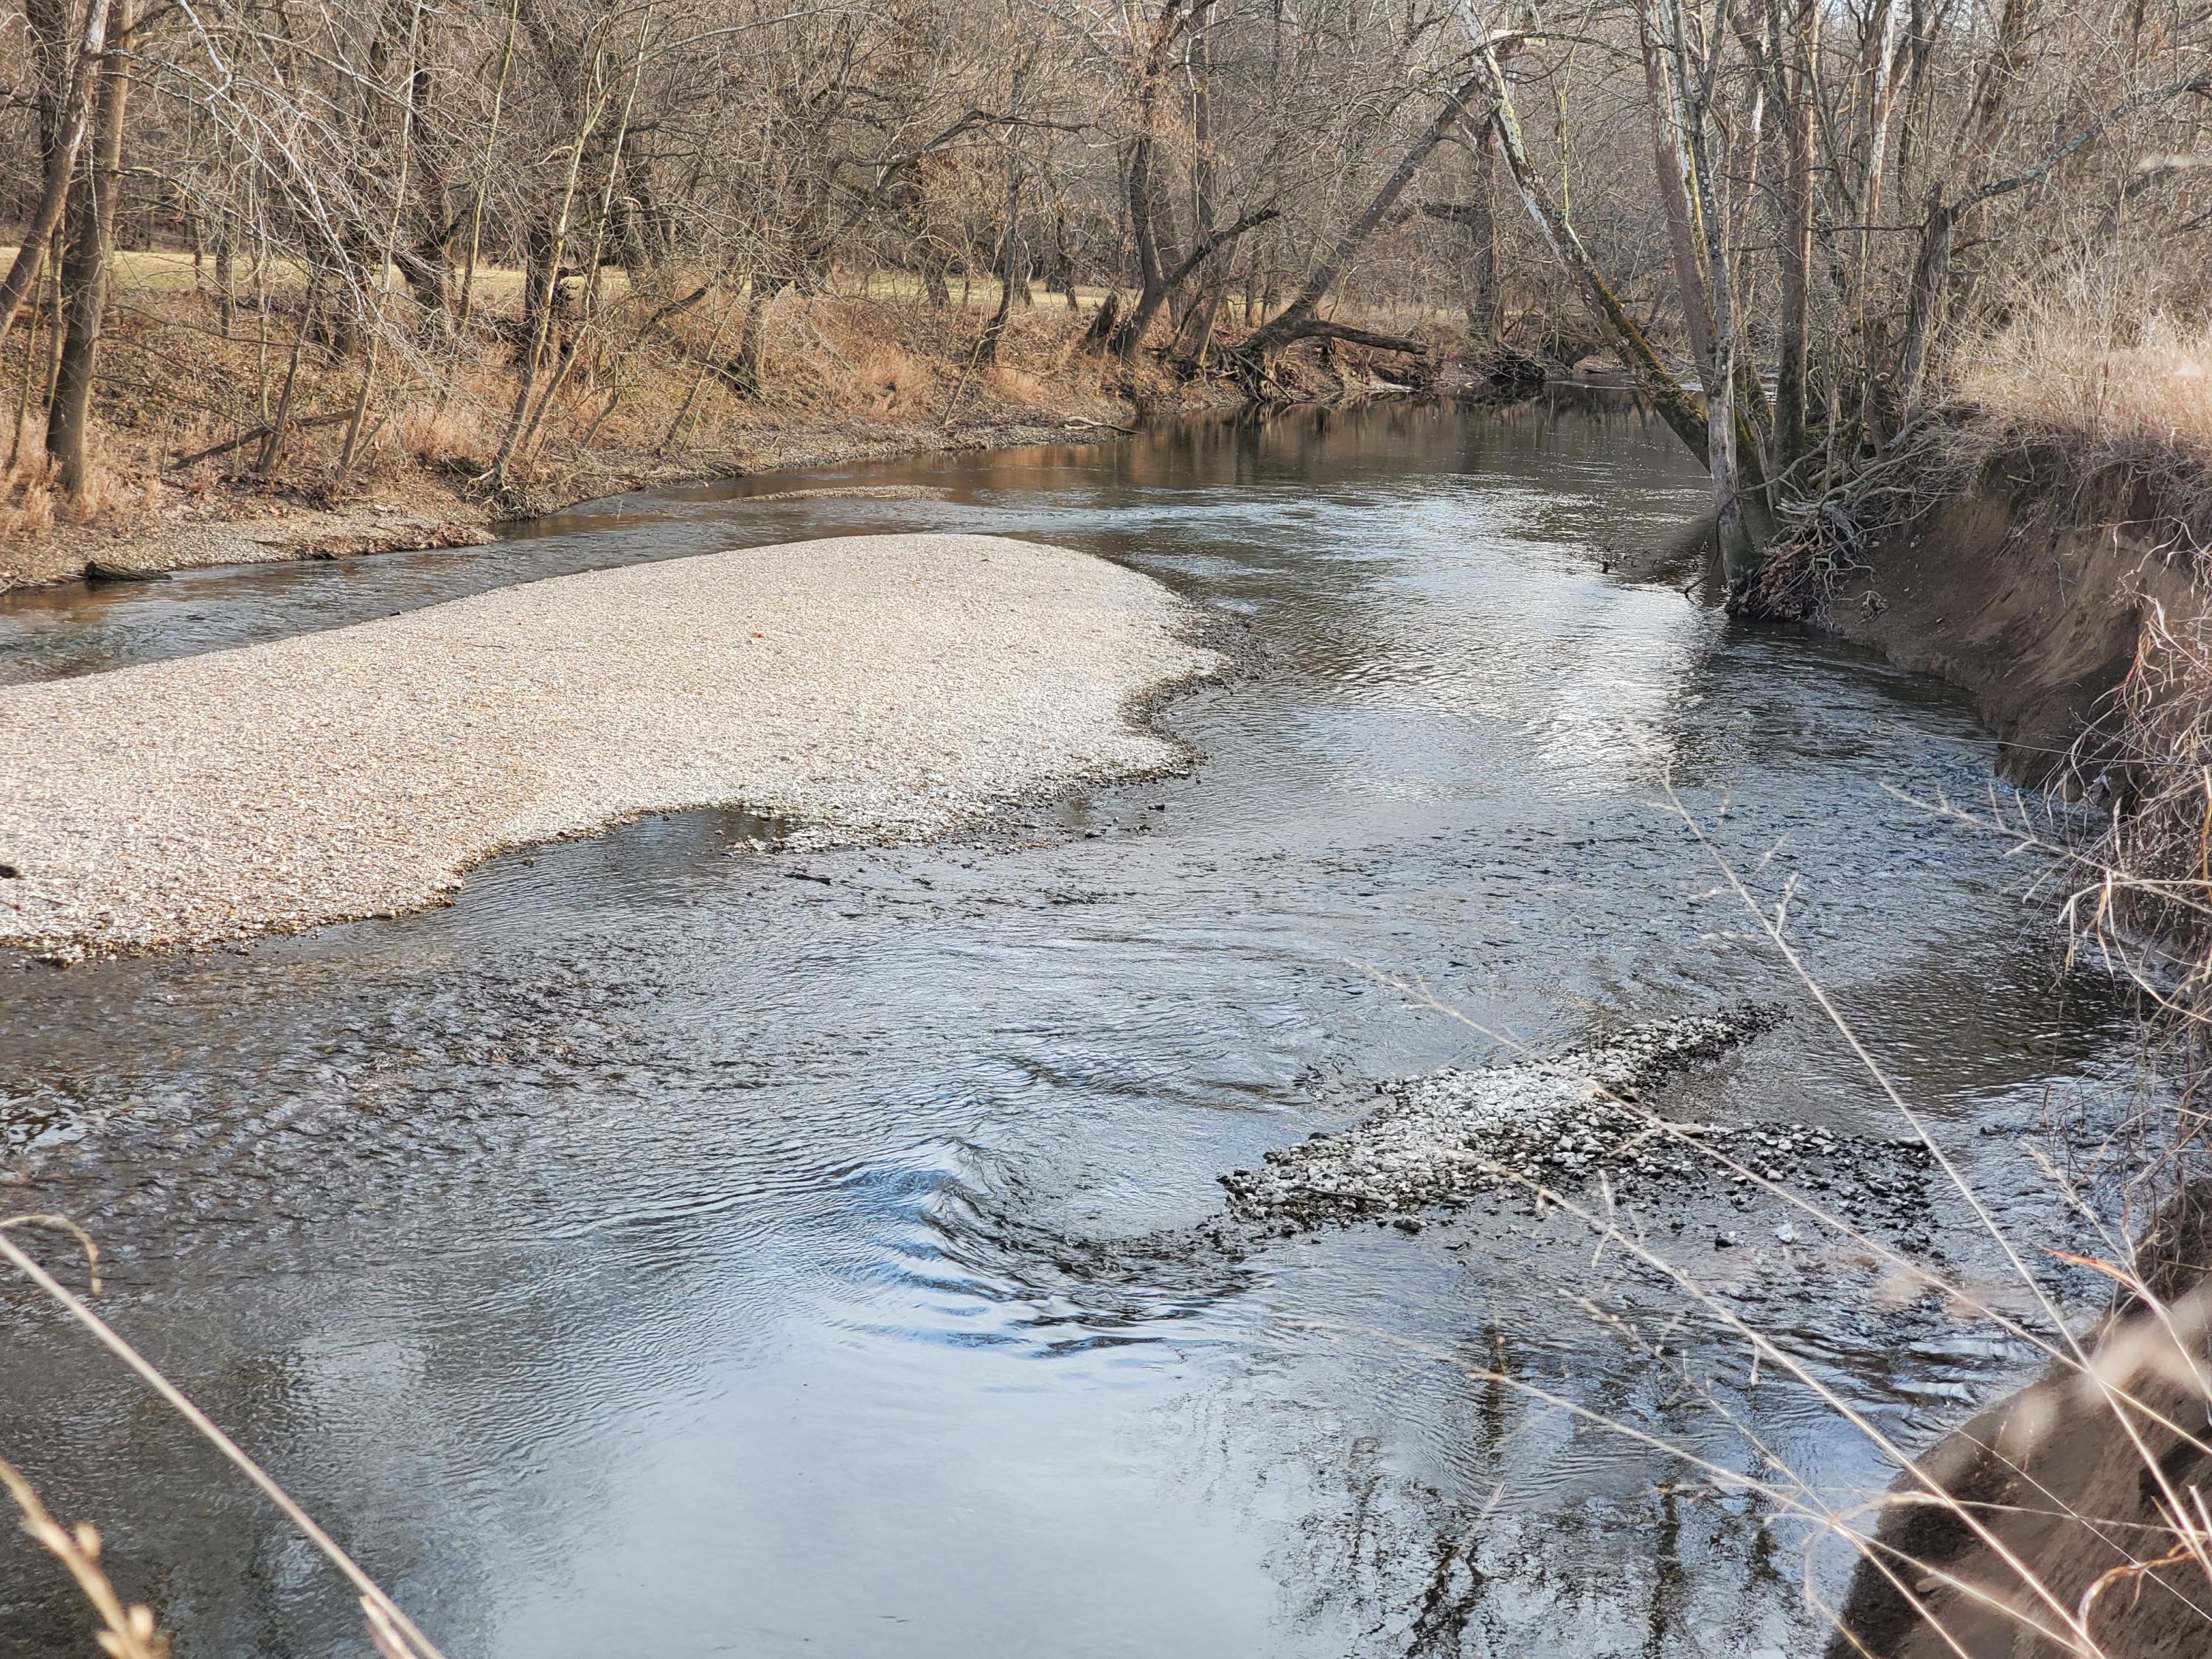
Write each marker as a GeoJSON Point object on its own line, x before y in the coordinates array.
{"type": "Point", "coordinates": [1441, 1138]}
{"type": "Point", "coordinates": [98, 570]}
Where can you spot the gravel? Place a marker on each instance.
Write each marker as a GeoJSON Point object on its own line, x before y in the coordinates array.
{"type": "Point", "coordinates": [854, 492]}
{"type": "Point", "coordinates": [1559, 1122]}
{"type": "Point", "coordinates": [877, 687]}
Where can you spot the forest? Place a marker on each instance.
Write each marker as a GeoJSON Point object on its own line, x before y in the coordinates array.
{"type": "Point", "coordinates": [311, 243]}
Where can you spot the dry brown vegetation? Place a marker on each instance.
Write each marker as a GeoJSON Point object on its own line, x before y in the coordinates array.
{"type": "Point", "coordinates": [852, 376]}
{"type": "Point", "coordinates": [2114, 382]}
{"type": "Point", "coordinates": [502, 238]}
{"type": "Point", "coordinates": [2110, 408]}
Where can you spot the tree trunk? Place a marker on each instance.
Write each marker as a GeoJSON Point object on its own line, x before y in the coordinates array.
{"type": "Point", "coordinates": [1151, 288]}
{"type": "Point", "coordinates": [1150, 219]}
{"type": "Point", "coordinates": [1707, 277]}
{"type": "Point", "coordinates": [555, 238]}
{"type": "Point", "coordinates": [1123, 336]}
{"type": "Point", "coordinates": [89, 239]}
{"type": "Point", "coordinates": [1013, 264]}
{"type": "Point", "coordinates": [1669, 166]}
{"type": "Point", "coordinates": [226, 270]}
{"type": "Point", "coordinates": [1795, 253]}
{"type": "Point", "coordinates": [541, 268]}
{"type": "Point", "coordinates": [1684, 415]}
{"type": "Point", "coordinates": [742, 374]}
{"type": "Point", "coordinates": [1484, 302]}
{"type": "Point", "coordinates": [1290, 322]}
{"type": "Point", "coordinates": [63, 147]}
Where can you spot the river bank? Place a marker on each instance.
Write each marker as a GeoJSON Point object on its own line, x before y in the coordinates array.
{"type": "Point", "coordinates": [850, 379]}
{"type": "Point", "coordinates": [416, 508]}
{"type": "Point", "coordinates": [2035, 605]}
{"type": "Point", "coordinates": [2069, 600]}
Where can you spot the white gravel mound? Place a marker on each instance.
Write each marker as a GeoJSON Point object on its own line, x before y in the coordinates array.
{"type": "Point", "coordinates": [874, 686]}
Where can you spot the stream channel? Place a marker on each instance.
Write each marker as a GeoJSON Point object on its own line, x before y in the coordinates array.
{"type": "Point", "coordinates": [653, 1253]}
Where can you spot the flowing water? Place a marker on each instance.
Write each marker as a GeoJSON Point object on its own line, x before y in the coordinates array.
{"type": "Point", "coordinates": [653, 1253]}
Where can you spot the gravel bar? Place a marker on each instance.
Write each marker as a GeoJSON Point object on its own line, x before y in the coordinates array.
{"type": "Point", "coordinates": [872, 687]}
{"type": "Point", "coordinates": [1555, 1120]}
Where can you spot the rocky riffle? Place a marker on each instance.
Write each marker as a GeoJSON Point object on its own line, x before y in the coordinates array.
{"type": "Point", "coordinates": [1555, 1121]}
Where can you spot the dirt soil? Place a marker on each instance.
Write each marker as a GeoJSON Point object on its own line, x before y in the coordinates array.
{"type": "Point", "coordinates": [418, 509]}
{"type": "Point", "coordinates": [2037, 616]}
{"type": "Point", "coordinates": [2048, 1478]}
{"type": "Point", "coordinates": [2038, 608]}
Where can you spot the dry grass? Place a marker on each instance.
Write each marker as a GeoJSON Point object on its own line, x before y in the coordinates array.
{"type": "Point", "coordinates": [2105, 421]}
{"type": "Point", "coordinates": [2136, 872]}
{"type": "Point", "coordinates": [2112, 406]}
{"type": "Point", "coordinates": [2100, 411]}
{"type": "Point", "coordinates": [27, 496]}
{"type": "Point", "coordinates": [32, 504]}
{"type": "Point", "coordinates": [643, 385]}
{"type": "Point", "coordinates": [132, 1632]}
{"type": "Point", "coordinates": [2125, 384]}
{"type": "Point", "coordinates": [635, 390]}
{"type": "Point", "coordinates": [438, 434]}
{"type": "Point", "coordinates": [126, 1631]}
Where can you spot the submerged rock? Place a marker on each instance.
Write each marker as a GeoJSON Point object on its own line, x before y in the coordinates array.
{"type": "Point", "coordinates": [1444, 1137]}
{"type": "Point", "coordinates": [1553, 1123]}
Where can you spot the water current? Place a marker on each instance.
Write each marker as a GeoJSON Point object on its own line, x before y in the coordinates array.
{"type": "Point", "coordinates": [656, 1253]}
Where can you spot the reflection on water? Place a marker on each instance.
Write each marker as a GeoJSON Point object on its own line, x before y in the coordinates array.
{"type": "Point", "coordinates": [654, 1252]}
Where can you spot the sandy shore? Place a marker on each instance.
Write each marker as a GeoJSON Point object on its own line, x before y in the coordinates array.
{"type": "Point", "coordinates": [874, 687]}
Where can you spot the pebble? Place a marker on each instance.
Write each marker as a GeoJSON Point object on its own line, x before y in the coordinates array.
{"type": "Point", "coordinates": [871, 687]}
{"type": "Point", "coordinates": [1564, 1122]}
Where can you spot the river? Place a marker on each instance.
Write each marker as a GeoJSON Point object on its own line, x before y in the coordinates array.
{"type": "Point", "coordinates": [652, 1252]}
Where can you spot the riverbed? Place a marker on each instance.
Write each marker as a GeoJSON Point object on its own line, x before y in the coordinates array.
{"type": "Point", "coordinates": [690, 1243]}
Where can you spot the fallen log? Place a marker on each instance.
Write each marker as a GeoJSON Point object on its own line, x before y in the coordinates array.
{"type": "Point", "coordinates": [253, 436]}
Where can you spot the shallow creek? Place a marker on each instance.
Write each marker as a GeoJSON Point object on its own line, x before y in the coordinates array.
{"type": "Point", "coordinates": [681, 1246]}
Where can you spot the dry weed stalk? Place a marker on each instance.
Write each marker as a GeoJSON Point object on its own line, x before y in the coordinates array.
{"type": "Point", "coordinates": [26, 499]}
{"type": "Point", "coordinates": [2150, 757]}
{"type": "Point", "coordinates": [2136, 866]}
{"type": "Point", "coordinates": [2142, 1381]}
{"type": "Point", "coordinates": [126, 1633]}
{"type": "Point", "coordinates": [394, 1633]}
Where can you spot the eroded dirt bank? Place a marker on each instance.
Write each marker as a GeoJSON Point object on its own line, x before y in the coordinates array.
{"type": "Point", "coordinates": [2035, 609]}
{"type": "Point", "coordinates": [2045, 1525]}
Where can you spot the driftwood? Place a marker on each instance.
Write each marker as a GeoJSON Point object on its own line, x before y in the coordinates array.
{"type": "Point", "coordinates": [96, 570]}
{"type": "Point", "coordinates": [251, 436]}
